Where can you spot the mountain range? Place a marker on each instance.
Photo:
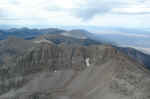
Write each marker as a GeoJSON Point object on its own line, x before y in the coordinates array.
{"type": "Point", "coordinates": [60, 64]}
{"type": "Point", "coordinates": [78, 36]}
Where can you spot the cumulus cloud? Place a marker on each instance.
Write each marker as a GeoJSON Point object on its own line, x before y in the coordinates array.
{"type": "Point", "coordinates": [37, 11]}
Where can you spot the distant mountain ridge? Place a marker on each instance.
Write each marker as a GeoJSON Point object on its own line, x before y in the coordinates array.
{"type": "Point", "coordinates": [27, 33]}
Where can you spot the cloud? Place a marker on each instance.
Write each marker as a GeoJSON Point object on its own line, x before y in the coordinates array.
{"type": "Point", "coordinates": [37, 10]}
{"type": "Point", "coordinates": [137, 9]}
{"type": "Point", "coordinates": [124, 13]}
{"type": "Point", "coordinates": [90, 8]}
{"type": "Point", "coordinates": [125, 34]}
{"type": "Point", "coordinates": [1, 13]}
{"type": "Point", "coordinates": [88, 13]}
{"type": "Point", "coordinates": [93, 8]}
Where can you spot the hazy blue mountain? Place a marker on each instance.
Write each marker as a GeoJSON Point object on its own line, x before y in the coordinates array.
{"type": "Point", "coordinates": [124, 36]}
{"type": "Point", "coordinates": [27, 33]}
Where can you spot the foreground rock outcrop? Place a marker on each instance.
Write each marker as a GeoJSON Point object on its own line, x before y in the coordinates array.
{"type": "Point", "coordinates": [50, 71]}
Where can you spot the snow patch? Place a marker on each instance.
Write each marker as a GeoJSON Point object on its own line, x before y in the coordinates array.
{"type": "Point", "coordinates": [87, 62]}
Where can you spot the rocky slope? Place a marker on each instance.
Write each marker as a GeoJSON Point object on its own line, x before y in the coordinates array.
{"type": "Point", "coordinates": [12, 47]}
{"type": "Point", "coordinates": [136, 55]}
{"type": "Point", "coordinates": [50, 71]}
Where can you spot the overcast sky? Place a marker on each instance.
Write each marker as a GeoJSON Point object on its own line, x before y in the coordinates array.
{"type": "Point", "coordinates": [112, 13]}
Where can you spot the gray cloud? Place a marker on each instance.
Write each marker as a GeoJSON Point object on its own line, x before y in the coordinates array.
{"type": "Point", "coordinates": [57, 12]}
{"type": "Point", "coordinates": [5, 15]}
{"type": "Point", "coordinates": [137, 13]}
{"type": "Point", "coordinates": [93, 8]}
{"type": "Point", "coordinates": [88, 13]}
{"type": "Point", "coordinates": [2, 13]}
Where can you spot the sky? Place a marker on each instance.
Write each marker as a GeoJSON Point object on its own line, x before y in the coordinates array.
{"type": "Point", "coordinates": [126, 19]}
{"type": "Point", "coordinates": [98, 13]}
